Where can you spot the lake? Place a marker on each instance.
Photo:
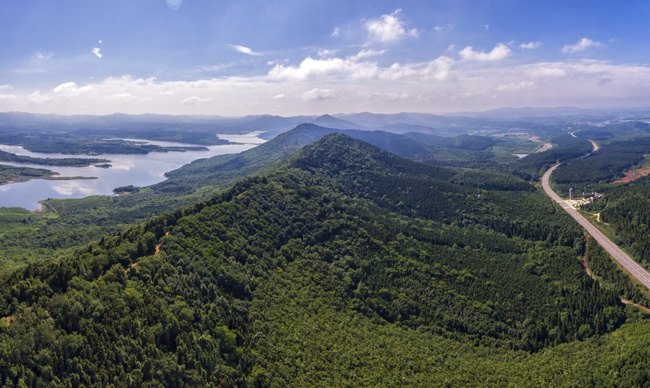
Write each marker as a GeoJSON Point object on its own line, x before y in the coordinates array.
{"type": "Point", "coordinates": [137, 170]}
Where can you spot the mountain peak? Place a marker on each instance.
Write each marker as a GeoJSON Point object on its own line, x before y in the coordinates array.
{"type": "Point", "coordinates": [337, 152]}
{"type": "Point", "coordinates": [332, 122]}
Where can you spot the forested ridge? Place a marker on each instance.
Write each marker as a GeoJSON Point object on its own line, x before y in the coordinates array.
{"type": "Point", "coordinates": [605, 165]}
{"type": "Point", "coordinates": [71, 223]}
{"type": "Point", "coordinates": [343, 266]}
{"type": "Point", "coordinates": [627, 210]}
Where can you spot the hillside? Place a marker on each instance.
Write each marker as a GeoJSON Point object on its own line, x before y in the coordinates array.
{"type": "Point", "coordinates": [343, 266]}
{"type": "Point", "coordinates": [73, 222]}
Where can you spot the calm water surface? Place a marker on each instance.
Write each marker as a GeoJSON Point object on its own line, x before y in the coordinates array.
{"type": "Point", "coordinates": [137, 170]}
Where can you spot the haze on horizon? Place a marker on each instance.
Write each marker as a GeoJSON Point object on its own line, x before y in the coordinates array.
{"type": "Point", "coordinates": [240, 57]}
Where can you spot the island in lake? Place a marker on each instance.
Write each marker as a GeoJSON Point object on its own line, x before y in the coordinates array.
{"type": "Point", "coordinates": [12, 174]}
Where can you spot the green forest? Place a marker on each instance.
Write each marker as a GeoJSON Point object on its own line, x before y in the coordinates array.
{"type": "Point", "coordinates": [343, 265]}
{"type": "Point", "coordinates": [624, 210]}
{"type": "Point", "coordinates": [603, 166]}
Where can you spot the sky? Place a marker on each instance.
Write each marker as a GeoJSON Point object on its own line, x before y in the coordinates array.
{"type": "Point", "coordinates": [292, 57]}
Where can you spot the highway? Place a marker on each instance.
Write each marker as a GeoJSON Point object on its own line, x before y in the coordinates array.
{"type": "Point", "coordinates": [615, 252]}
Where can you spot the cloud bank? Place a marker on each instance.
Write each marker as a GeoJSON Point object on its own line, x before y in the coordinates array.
{"type": "Point", "coordinates": [353, 84]}
{"type": "Point", "coordinates": [363, 69]}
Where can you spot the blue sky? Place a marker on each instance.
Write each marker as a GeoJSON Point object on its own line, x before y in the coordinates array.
{"type": "Point", "coordinates": [239, 57]}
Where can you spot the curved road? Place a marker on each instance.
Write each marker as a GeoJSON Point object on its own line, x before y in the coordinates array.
{"type": "Point", "coordinates": [617, 254]}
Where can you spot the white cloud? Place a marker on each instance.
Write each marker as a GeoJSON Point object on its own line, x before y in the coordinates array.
{"type": "Point", "coordinates": [38, 97]}
{"type": "Point", "coordinates": [336, 32]}
{"type": "Point", "coordinates": [28, 71]}
{"type": "Point", "coordinates": [64, 87]}
{"type": "Point", "coordinates": [438, 69]}
{"type": "Point", "coordinates": [318, 94]}
{"type": "Point", "coordinates": [244, 50]}
{"type": "Point", "coordinates": [487, 27]}
{"type": "Point", "coordinates": [530, 45]}
{"type": "Point", "coordinates": [121, 96]}
{"type": "Point", "coordinates": [581, 45]}
{"type": "Point", "coordinates": [95, 51]}
{"type": "Point", "coordinates": [174, 5]}
{"type": "Point", "coordinates": [513, 87]}
{"type": "Point", "coordinates": [367, 53]}
{"type": "Point", "coordinates": [391, 96]}
{"type": "Point", "coordinates": [218, 67]}
{"type": "Point", "coordinates": [311, 68]}
{"type": "Point", "coordinates": [70, 89]}
{"type": "Point", "coordinates": [545, 70]}
{"type": "Point", "coordinates": [448, 26]}
{"type": "Point", "coordinates": [194, 100]}
{"type": "Point", "coordinates": [352, 68]}
{"type": "Point", "coordinates": [280, 96]}
{"type": "Point", "coordinates": [42, 57]}
{"type": "Point", "coordinates": [325, 53]}
{"type": "Point", "coordinates": [499, 52]}
{"type": "Point", "coordinates": [6, 87]}
{"type": "Point", "coordinates": [7, 97]}
{"type": "Point", "coordinates": [388, 28]}
{"type": "Point", "coordinates": [38, 63]}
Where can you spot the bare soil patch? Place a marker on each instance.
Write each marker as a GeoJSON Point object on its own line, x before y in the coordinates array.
{"type": "Point", "coordinates": [545, 147]}
{"type": "Point", "coordinates": [632, 175]}
{"type": "Point", "coordinates": [9, 319]}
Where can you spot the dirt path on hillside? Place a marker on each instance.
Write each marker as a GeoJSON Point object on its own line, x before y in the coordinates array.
{"type": "Point", "coordinates": [157, 251]}
{"type": "Point", "coordinates": [583, 260]}
{"type": "Point", "coordinates": [625, 301]}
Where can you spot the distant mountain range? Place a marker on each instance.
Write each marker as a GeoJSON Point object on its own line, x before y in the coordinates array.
{"type": "Point", "coordinates": [271, 126]}
{"type": "Point", "coordinates": [527, 112]}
